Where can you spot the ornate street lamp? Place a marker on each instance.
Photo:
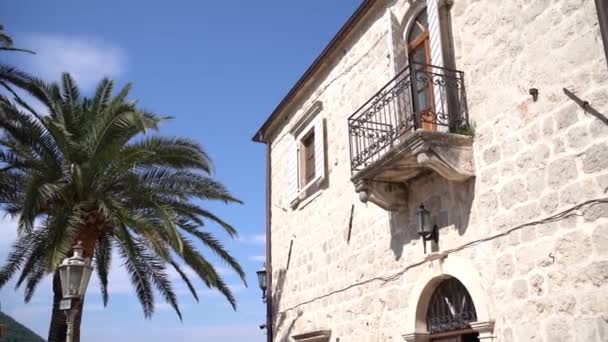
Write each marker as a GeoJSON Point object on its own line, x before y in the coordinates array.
{"type": "Point", "coordinates": [74, 273]}
{"type": "Point", "coordinates": [426, 229]}
{"type": "Point", "coordinates": [262, 281]}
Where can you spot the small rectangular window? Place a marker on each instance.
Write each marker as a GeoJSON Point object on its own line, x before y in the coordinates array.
{"type": "Point", "coordinates": [308, 158]}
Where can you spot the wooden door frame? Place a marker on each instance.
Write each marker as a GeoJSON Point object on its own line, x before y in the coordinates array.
{"type": "Point", "coordinates": [423, 39]}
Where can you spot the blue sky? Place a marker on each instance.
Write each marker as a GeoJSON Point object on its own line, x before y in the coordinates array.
{"type": "Point", "coordinates": [218, 67]}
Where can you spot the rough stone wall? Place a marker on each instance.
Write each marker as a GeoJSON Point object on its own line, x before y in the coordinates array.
{"type": "Point", "coordinates": [545, 282]}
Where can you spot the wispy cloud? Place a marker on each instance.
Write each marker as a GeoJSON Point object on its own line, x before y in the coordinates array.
{"type": "Point", "coordinates": [88, 59]}
{"type": "Point", "coordinates": [253, 239]}
{"type": "Point", "coordinates": [225, 333]}
{"type": "Point", "coordinates": [257, 258]}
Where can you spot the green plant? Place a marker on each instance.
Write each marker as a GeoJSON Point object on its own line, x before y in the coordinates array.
{"type": "Point", "coordinates": [464, 129]}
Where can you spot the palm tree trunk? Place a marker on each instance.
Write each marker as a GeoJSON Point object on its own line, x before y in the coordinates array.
{"type": "Point", "coordinates": [58, 327]}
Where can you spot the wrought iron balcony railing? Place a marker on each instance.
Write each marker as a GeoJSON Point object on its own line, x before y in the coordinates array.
{"type": "Point", "coordinates": [420, 97]}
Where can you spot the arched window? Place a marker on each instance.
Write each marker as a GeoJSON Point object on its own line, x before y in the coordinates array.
{"type": "Point", "coordinates": [451, 309]}
{"type": "Point", "coordinates": [419, 54]}
{"type": "Point", "coordinates": [418, 42]}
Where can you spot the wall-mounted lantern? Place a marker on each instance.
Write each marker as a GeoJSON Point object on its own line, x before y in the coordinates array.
{"type": "Point", "coordinates": [262, 281]}
{"type": "Point", "coordinates": [426, 229]}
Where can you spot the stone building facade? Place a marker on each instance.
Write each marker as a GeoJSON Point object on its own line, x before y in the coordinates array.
{"type": "Point", "coordinates": [509, 159]}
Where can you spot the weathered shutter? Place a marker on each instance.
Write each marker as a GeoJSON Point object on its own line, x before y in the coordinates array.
{"type": "Point", "coordinates": [293, 187]}
{"type": "Point", "coordinates": [437, 58]}
{"type": "Point", "coordinates": [320, 150]}
{"type": "Point", "coordinates": [435, 32]}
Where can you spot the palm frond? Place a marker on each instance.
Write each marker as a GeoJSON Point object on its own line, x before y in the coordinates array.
{"type": "Point", "coordinates": [103, 261]}
{"type": "Point", "coordinates": [186, 280]}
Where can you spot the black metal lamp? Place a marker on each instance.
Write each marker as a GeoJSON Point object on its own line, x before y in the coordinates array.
{"type": "Point", "coordinates": [262, 281]}
{"type": "Point", "coordinates": [426, 229]}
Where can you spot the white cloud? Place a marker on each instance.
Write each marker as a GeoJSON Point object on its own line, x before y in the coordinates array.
{"type": "Point", "coordinates": [260, 258]}
{"type": "Point", "coordinates": [254, 239]}
{"type": "Point", "coordinates": [8, 234]}
{"type": "Point", "coordinates": [86, 58]}
{"type": "Point", "coordinates": [225, 333]}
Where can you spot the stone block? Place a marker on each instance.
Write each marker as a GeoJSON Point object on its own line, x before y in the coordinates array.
{"type": "Point", "coordinates": [563, 304]}
{"type": "Point", "coordinates": [599, 238]}
{"type": "Point", "coordinates": [577, 193]}
{"type": "Point", "coordinates": [528, 331]}
{"type": "Point", "coordinates": [507, 169]}
{"type": "Point", "coordinates": [592, 302]}
{"type": "Point", "coordinates": [519, 289]}
{"type": "Point", "coordinates": [595, 158]}
{"type": "Point", "coordinates": [558, 146]}
{"type": "Point", "coordinates": [559, 281]}
{"type": "Point", "coordinates": [536, 182]}
{"type": "Point", "coordinates": [537, 157]}
{"type": "Point", "coordinates": [549, 203]}
{"type": "Point", "coordinates": [558, 330]}
{"type": "Point", "coordinates": [572, 248]}
{"type": "Point", "coordinates": [490, 176]}
{"type": "Point", "coordinates": [548, 126]}
{"type": "Point", "coordinates": [562, 171]}
{"type": "Point", "coordinates": [530, 256]}
{"type": "Point", "coordinates": [513, 193]}
{"type": "Point", "coordinates": [566, 116]}
{"type": "Point", "coordinates": [598, 129]}
{"type": "Point", "coordinates": [594, 274]}
{"type": "Point", "coordinates": [505, 268]}
{"type": "Point", "coordinates": [595, 211]}
{"type": "Point", "coordinates": [577, 137]}
{"type": "Point", "coordinates": [488, 202]}
{"type": "Point", "coordinates": [591, 329]}
{"type": "Point", "coordinates": [532, 134]}
{"type": "Point", "coordinates": [491, 155]}
{"type": "Point", "coordinates": [537, 285]}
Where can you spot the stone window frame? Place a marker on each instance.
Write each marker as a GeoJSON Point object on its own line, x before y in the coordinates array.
{"type": "Point", "coordinates": [307, 152]}
{"type": "Point", "coordinates": [300, 190]}
{"type": "Point", "coordinates": [440, 268]}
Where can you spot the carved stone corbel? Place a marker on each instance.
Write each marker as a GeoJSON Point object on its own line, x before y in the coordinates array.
{"type": "Point", "coordinates": [388, 196]}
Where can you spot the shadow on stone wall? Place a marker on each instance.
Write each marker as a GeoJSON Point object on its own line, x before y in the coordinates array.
{"type": "Point", "coordinates": [285, 335]}
{"type": "Point", "coordinates": [277, 294]}
{"type": "Point", "coordinates": [282, 333]}
{"type": "Point", "coordinates": [449, 203]}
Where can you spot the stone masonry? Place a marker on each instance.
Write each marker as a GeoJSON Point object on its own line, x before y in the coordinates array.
{"type": "Point", "coordinates": [350, 269]}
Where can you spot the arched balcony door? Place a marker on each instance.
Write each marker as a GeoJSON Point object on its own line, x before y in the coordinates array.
{"type": "Point", "coordinates": [450, 312]}
{"type": "Point", "coordinates": [419, 52]}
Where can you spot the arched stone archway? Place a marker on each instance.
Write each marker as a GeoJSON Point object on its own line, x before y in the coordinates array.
{"type": "Point", "coordinates": [420, 296]}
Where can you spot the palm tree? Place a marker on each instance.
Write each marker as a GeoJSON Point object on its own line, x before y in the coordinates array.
{"type": "Point", "coordinates": [7, 73]}
{"type": "Point", "coordinates": [6, 42]}
{"type": "Point", "coordinates": [87, 171]}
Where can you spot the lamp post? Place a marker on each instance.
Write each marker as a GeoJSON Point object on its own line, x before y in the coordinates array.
{"type": "Point", "coordinates": [426, 229]}
{"type": "Point", "coordinates": [74, 273]}
{"type": "Point", "coordinates": [263, 281]}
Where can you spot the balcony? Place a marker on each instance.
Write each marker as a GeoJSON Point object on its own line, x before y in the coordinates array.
{"type": "Point", "coordinates": [416, 124]}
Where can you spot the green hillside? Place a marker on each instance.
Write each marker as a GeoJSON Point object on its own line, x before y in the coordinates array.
{"type": "Point", "coordinates": [16, 332]}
